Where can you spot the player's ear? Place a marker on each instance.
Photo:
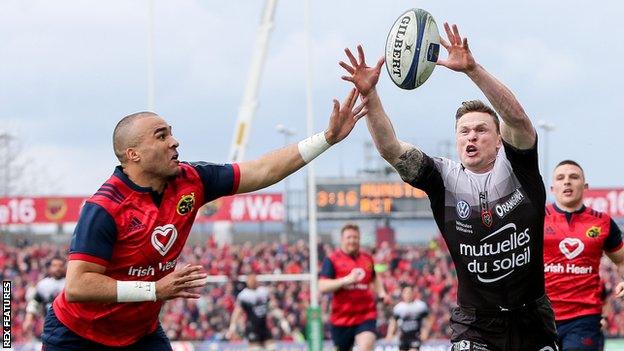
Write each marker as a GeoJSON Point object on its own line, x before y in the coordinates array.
{"type": "Point", "coordinates": [132, 155]}
{"type": "Point", "coordinates": [585, 186]}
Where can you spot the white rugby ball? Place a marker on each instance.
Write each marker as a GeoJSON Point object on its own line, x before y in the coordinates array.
{"type": "Point", "coordinates": [412, 48]}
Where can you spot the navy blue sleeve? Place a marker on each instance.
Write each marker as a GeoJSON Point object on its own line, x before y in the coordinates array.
{"type": "Point", "coordinates": [614, 239]}
{"type": "Point", "coordinates": [94, 235]}
{"type": "Point", "coordinates": [327, 270]}
{"type": "Point", "coordinates": [218, 179]}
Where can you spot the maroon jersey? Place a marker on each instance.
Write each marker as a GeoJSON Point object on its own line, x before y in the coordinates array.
{"type": "Point", "coordinates": [573, 246]}
{"type": "Point", "coordinates": [137, 234]}
{"type": "Point", "coordinates": [352, 304]}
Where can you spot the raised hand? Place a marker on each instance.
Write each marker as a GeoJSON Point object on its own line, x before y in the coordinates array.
{"type": "Point", "coordinates": [180, 283]}
{"type": "Point", "coordinates": [344, 117]}
{"type": "Point", "coordinates": [362, 76]}
{"type": "Point", "coordinates": [459, 58]}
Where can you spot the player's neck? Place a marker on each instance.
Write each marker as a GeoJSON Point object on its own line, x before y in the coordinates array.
{"type": "Point", "coordinates": [145, 180]}
{"type": "Point", "coordinates": [570, 208]}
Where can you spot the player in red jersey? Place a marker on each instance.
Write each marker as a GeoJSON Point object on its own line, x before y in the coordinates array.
{"type": "Point", "coordinates": [575, 236]}
{"type": "Point", "coordinates": [131, 232]}
{"type": "Point", "coordinates": [348, 273]}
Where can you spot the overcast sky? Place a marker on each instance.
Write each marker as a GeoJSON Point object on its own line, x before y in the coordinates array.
{"type": "Point", "coordinates": [69, 70]}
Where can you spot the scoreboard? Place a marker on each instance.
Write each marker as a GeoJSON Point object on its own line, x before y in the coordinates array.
{"type": "Point", "coordinates": [359, 198]}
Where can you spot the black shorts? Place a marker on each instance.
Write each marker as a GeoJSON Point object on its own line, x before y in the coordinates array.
{"type": "Point", "coordinates": [344, 337]}
{"type": "Point", "coordinates": [409, 343]}
{"type": "Point", "coordinates": [531, 327]}
{"type": "Point", "coordinates": [257, 334]}
{"type": "Point", "coordinates": [582, 333]}
{"type": "Point", "coordinates": [57, 337]}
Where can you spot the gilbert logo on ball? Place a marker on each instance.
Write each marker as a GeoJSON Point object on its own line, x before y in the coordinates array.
{"type": "Point", "coordinates": [412, 48]}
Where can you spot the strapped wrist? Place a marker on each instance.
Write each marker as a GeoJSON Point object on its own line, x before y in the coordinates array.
{"type": "Point", "coordinates": [313, 146]}
{"type": "Point", "coordinates": [136, 291]}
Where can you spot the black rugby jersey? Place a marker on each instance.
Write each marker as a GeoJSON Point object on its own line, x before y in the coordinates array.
{"type": "Point", "coordinates": [409, 318]}
{"type": "Point", "coordinates": [255, 304]}
{"type": "Point", "coordinates": [493, 224]}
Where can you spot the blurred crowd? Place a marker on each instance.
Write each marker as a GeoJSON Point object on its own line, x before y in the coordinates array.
{"type": "Point", "coordinates": [428, 268]}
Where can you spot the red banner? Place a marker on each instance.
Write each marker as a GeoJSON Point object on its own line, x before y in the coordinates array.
{"type": "Point", "coordinates": [244, 208]}
{"type": "Point", "coordinates": [608, 200]}
{"type": "Point", "coordinates": [45, 210]}
{"type": "Point", "coordinates": [38, 210]}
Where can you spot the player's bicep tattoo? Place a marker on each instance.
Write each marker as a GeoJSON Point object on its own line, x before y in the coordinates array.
{"type": "Point", "coordinates": [409, 164]}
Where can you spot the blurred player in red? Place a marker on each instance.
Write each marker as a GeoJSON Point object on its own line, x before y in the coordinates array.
{"type": "Point", "coordinates": [348, 273]}
{"type": "Point", "coordinates": [131, 232]}
{"type": "Point", "coordinates": [575, 236]}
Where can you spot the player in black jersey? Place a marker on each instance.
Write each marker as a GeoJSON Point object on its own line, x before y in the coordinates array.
{"type": "Point", "coordinates": [41, 296]}
{"type": "Point", "coordinates": [489, 208]}
{"type": "Point", "coordinates": [253, 301]}
{"type": "Point", "coordinates": [409, 320]}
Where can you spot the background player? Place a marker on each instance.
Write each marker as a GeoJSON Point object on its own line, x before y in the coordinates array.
{"type": "Point", "coordinates": [348, 273]}
{"type": "Point", "coordinates": [41, 297]}
{"type": "Point", "coordinates": [409, 320]}
{"type": "Point", "coordinates": [575, 236]}
{"type": "Point", "coordinates": [253, 301]}
{"type": "Point", "coordinates": [132, 230]}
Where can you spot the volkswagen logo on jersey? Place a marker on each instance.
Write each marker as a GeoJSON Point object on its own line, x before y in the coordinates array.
{"type": "Point", "coordinates": [571, 247]}
{"type": "Point", "coordinates": [463, 209]}
{"type": "Point", "coordinates": [164, 237]}
{"type": "Point", "coordinates": [186, 203]}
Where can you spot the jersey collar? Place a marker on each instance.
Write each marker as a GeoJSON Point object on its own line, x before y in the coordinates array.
{"type": "Point", "coordinates": [156, 197]}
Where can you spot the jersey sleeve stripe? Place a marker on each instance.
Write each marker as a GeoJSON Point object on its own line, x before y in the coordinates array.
{"type": "Point", "coordinates": [108, 196]}
{"type": "Point", "coordinates": [111, 192]}
{"type": "Point", "coordinates": [88, 258]}
{"type": "Point", "coordinates": [114, 189]}
{"type": "Point", "coordinates": [237, 175]}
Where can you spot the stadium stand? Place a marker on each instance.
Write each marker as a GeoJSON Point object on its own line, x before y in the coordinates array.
{"type": "Point", "coordinates": [426, 267]}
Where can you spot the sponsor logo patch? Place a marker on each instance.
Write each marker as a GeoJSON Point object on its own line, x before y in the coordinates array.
{"type": "Point", "coordinates": [163, 238]}
{"type": "Point", "coordinates": [571, 247]}
{"type": "Point", "coordinates": [463, 209]}
{"type": "Point", "coordinates": [502, 209]}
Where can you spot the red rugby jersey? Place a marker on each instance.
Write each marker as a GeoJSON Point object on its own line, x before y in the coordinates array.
{"type": "Point", "coordinates": [354, 303]}
{"type": "Point", "coordinates": [138, 235]}
{"type": "Point", "coordinates": [573, 246]}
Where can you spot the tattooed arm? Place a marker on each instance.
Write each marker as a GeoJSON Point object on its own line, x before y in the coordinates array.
{"type": "Point", "coordinates": [405, 158]}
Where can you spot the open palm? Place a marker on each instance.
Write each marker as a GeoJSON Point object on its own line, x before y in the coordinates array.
{"type": "Point", "coordinates": [344, 116]}
{"type": "Point", "coordinates": [459, 56]}
{"type": "Point", "coordinates": [362, 76]}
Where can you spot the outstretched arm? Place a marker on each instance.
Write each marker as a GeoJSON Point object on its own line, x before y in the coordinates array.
{"type": "Point", "coordinates": [516, 128]}
{"type": "Point", "coordinates": [277, 165]}
{"type": "Point", "coordinates": [404, 157]}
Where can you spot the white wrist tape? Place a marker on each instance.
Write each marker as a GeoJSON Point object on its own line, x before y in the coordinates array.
{"type": "Point", "coordinates": [313, 146]}
{"type": "Point", "coordinates": [136, 291]}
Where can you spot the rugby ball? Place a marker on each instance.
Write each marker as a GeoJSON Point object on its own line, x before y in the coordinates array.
{"type": "Point", "coordinates": [412, 48]}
